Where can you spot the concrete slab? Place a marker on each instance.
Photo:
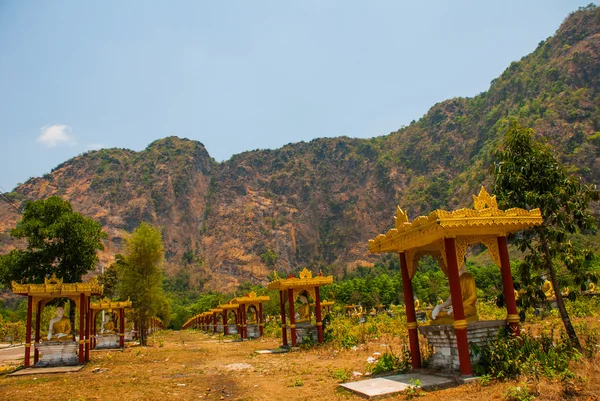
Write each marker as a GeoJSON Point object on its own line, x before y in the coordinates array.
{"type": "Point", "coordinates": [272, 351]}
{"type": "Point", "coordinates": [39, 371]}
{"type": "Point", "coordinates": [389, 385]}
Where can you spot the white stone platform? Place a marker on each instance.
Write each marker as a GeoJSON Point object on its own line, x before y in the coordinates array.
{"type": "Point", "coordinates": [54, 369]}
{"type": "Point", "coordinates": [389, 385]}
{"type": "Point", "coordinates": [107, 341]}
{"type": "Point", "coordinates": [252, 331]}
{"type": "Point", "coordinates": [443, 338]}
{"type": "Point", "coordinates": [232, 329]}
{"type": "Point", "coordinates": [55, 353]}
{"type": "Point", "coordinates": [305, 330]}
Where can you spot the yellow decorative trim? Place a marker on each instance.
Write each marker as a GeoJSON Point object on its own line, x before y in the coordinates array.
{"type": "Point", "coordinates": [412, 325]}
{"type": "Point", "coordinates": [54, 287]}
{"type": "Point", "coordinates": [27, 345]}
{"type": "Point", "coordinates": [121, 335]}
{"type": "Point", "coordinates": [283, 325]}
{"type": "Point", "coordinates": [109, 304]}
{"type": "Point", "coordinates": [87, 341]}
{"type": "Point", "coordinates": [511, 318]}
{"type": "Point", "coordinates": [292, 326]}
{"type": "Point", "coordinates": [485, 219]}
{"type": "Point", "coordinates": [81, 341]}
{"type": "Point", "coordinates": [304, 281]}
{"type": "Point", "coordinates": [459, 324]}
{"type": "Point", "coordinates": [319, 323]}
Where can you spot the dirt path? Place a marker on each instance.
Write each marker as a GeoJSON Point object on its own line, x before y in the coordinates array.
{"type": "Point", "coordinates": [192, 366]}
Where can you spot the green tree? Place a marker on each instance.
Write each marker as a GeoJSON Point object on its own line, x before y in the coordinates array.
{"type": "Point", "coordinates": [528, 175]}
{"type": "Point", "coordinates": [59, 241]}
{"type": "Point", "coordinates": [141, 276]}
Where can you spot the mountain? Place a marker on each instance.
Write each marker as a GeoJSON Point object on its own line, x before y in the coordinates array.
{"type": "Point", "coordinates": [316, 204]}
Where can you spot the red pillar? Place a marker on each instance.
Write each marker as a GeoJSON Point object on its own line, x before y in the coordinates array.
{"type": "Point", "coordinates": [225, 326]}
{"type": "Point", "coordinates": [282, 310]}
{"type": "Point", "coordinates": [28, 331]}
{"type": "Point", "coordinates": [292, 317]}
{"type": "Point", "coordinates": [508, 288]}
{"type": "Point", "coordinates": [81, 327]}
{"type": "Point", "coordinates": [261, 325]}
{"type": "Point", "coordinates": [411, 316]}
{"type": "Point", "coordinates": [460, 324]}
{"type": "Point", "coordinates": [94, 329]}
{"type": "Point", "coordinates": [87, 328]}
{"type": "Point", "coordinates": [122, 328]}
{"type": "Point", "coordinates": [318, 316]}
{"type": "Point", "coordinates": [38, 320]}
{"type": "Point", "coordinates": [244, 322]}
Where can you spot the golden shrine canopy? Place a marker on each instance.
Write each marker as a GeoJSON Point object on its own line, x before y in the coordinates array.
{"type": "Point", "coordinates": [108, 304]}
{"type": "Point", "coordinates": [425, 234]}
{"type": "Point", "coordinates": [251, 298]}
{"type": "Point", "coordinates": [305, 282]}
{"type": "Point", "coordinates": [54, 287]}
{"type": "Point", "coordinates": [229, 305]}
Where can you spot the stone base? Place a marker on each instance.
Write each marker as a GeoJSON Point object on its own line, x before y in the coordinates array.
{"type": "Point", "coordinates": [107, 341]}
{"type": "Point", "coordinates": [232, 329]}
{"type": "Point", "coordinates": [220, 328]}
{"type": "Point", "coordinates": [305, 330]}
{"type": "Point", "coordinates": [54, 353]}
{"type": "Point", "coordinates": [443, 338]}
{"type": "Point", "coordinates": [252, 331]}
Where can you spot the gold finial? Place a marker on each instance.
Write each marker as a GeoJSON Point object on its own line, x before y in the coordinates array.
{"type": "Point", "coordinates": [484, 200]}
{"type": "Point", "coordinates": [53, 280]}
{"type": "Point", "coordinates": [401, 217]}
{"type": "Point", "coordinates": [305, 273]}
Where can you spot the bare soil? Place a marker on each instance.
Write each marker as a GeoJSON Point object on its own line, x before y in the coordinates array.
{"type": "Point", "coordinates": [188, 365]}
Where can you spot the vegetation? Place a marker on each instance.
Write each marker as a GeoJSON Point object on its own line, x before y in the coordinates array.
{"type": "Point", "coordinates": [141, 276]}
{"type": "Point", "coordinates": [528, 175]}
{"type": "Point", "coordinates": [59, 241]}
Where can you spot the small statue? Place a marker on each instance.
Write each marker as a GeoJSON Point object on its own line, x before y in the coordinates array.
{"type": "Point", "coordinates": [252, 319]}
{"type": "Point", "coordinates": [108, 326]}
{"type": "Point", "coordinates": [469, 297]}
{"type": "Point", "coordinates": [591, 288]}
{"type": "Point", "coordinates": [417, 304]}
{"type": "Point", "coordinates": [60, 326]}
{"type": "Point", "coordinates": [304, 310]}
{"type": "Point", "coordinates": [548, 290]}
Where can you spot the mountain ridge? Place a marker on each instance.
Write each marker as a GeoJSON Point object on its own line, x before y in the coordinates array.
{"type": "Point", "coordinates": [316, 203]}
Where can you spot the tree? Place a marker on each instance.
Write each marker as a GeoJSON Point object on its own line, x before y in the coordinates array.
{"type": "Point", "coordinates": [141, 276]}
{"type": "Point", "coordinates": [59, 241]}
{"type": "Point", "coordinates": [109, 279]}
{"type": "Point", "coordinates": [528, 175]}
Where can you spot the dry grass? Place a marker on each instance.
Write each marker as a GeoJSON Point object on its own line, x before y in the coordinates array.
{"type": "Point", "coordinates": [192, 365]}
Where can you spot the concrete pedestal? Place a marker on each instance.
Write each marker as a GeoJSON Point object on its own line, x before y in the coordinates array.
{"type": "Point", "coordinates": [305, 330]}
{"type": "Point", "coordinates": [107, 341]}
{"type": "Point", "coordinates": [443, 338]}
{"type": "Point", "coordinates": [219, 327]}
{"type": "Point", "coordinates": [232, 329]}
{"type": "Point", "coordinates": [252, 330]}
{"type": "Point", "coordinates": [54, 353]}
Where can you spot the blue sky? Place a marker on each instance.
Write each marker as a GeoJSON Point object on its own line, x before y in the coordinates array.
{"type": "Point", "coordinates": [241, 75]}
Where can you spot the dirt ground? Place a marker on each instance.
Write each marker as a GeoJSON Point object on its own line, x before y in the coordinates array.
{"type": "Point", "coordinates": [188, 365]}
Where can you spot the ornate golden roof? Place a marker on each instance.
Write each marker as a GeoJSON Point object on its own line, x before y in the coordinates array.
{"type": "Point", "coordinates": [304, 281]}
{"type": "Point", "coordinates": [485, 219]}
{"type": "Point", "coordinates": [229, 305]}
{"type": "Point", "coordinates": [251, 298]}
{"type": "Point", "coordinates": [54, 287]}
{"type": "Point", "coordinates": [108, 304]}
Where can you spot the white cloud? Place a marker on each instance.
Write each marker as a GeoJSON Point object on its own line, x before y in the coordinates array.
{"type": "Point", "coordinates": [95, 146]}
{"type": "Point", "coordinates": [53, 135]}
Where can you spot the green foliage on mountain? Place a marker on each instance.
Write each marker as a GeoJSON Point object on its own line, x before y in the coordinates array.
{"type": "Point", "coordinates": [316, 204]}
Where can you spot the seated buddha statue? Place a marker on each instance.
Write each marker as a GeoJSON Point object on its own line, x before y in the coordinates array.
{"type": "Point", "coordinates": [417, 304]}
{"type": "Point", "coordinates": [60, 326]}
{"type": "Point", "coordinates": [469, 296]}
{"type": "Point", "coordinates": [251, 317]}
{"type": "Point", "coordinates": [108, 327]}
{"type": "Point", "coordinates": [304, 310]}
{"type": "Point", "coordinates": [548, 290]}
{"type": "Point", "coordinates": [591, 288]}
